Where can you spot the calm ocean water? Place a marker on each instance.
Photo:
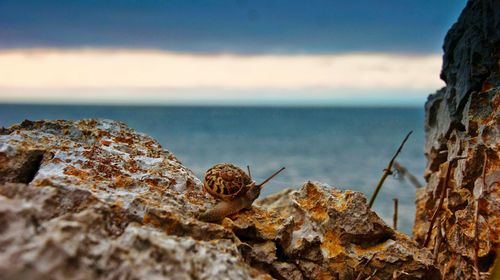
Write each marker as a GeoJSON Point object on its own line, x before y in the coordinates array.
{"type": "Point", "coordinates": [344, 147]}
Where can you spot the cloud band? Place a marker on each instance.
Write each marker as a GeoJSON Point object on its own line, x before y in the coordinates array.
{"type": "Point", "coordinates": [56, 69]}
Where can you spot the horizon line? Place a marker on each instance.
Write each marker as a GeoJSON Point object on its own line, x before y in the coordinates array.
{"type": "Point", "coordinates": [215, 105]}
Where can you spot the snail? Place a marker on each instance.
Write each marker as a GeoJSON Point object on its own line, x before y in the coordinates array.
{"type": "Point", "coordinates": [233, 187]}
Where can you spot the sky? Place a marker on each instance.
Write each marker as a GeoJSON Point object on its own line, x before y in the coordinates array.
{"type": "Point", "coordinates": [223, 52]}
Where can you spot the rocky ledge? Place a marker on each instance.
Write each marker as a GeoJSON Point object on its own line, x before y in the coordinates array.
{"type": "Point", "coordinates": [95, 199]}
{"type": "Point", "coordinates": [458, 213]}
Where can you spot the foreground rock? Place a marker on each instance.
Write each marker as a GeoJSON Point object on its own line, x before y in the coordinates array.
{"type": "Point", "coordinates": [463, 120]}
{"type": "Point", "coordinates": [95, 199]}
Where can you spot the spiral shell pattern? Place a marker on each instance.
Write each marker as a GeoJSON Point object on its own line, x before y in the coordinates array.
{"type": "Point", "coordinates": [226, 181]}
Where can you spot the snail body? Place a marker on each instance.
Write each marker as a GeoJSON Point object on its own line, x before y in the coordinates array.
{"type": "Point", "coordinates": [233, 187]}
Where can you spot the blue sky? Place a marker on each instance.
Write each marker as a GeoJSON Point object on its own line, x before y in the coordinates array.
{"type": "Point", "coordinates": [289, 48]}
{"type": "Point", "coordinates": [237, 26]}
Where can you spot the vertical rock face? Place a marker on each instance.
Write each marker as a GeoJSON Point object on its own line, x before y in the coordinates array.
{"type": "Point", "coordinates": [462, 148]}
{"type": "Point", "coordinates": [93, 199]}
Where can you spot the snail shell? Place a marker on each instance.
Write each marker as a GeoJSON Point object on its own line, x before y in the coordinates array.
{"type": "Point", "coordinates": [234, 187]}
{"type": "Point", "coordinates": [226, 182]}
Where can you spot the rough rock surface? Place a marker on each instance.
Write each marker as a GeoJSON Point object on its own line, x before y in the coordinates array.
{"type": "Point", "coordinates": [463, 120]}
{"type": "Point", "coordinates": [95, 199]}
{"type": "Point", "coordinates": [332, 234]}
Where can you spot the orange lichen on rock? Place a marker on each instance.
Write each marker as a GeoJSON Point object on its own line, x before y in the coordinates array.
{"type": "Point", "coordinates": [101, 133]}
{"type": "Point", "coordinates": [56, 161]}
{"type": "Point", "coordinates": [147, 219]}
{"type": "Point", "coordinates": [126, 140]}
{"type": "Point", "coordinates": [73, 171]}
{"type": "Point", "coordinates": [331, 244]}
{"type": "Point", "coordinates": [196, 197]}
{"type": "Point", "coordinates": [265, 223]}
{"type": "Point", "coordinates": [360, 250]}
{"type": "Point", "coordinates": [340, 200]}
{"type": "Point", "coordinates": [151, 182]}
{"type": "Point", "coordinates": [122, 181]}
{"type": "Point", "coordinates": [106, 142]}
{"type": "Point", "coordinates": [312, 201]}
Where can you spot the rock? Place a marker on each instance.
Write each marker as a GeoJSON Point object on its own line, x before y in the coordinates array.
{"type": "Point", "coordinates": [462, 119]}
{"type": "Point", "coordinates": [335, 234]}
{"type": "Point", "coordinates": [100, 242]}
{"type": "Point", "coordinates": [95, 199]}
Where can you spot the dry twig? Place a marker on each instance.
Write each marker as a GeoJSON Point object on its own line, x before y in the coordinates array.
{"type": "Point", "coordinates": [437, 243]}
{"type": "Point", "coordinates": [442, 196]}
{"type": "Point", "coordinates": [395, 216]}
{"type": "Point", "coordinates": [405, 173]}
{"type": "Point", "coordinates": [476, 219]}
{"type": "Point", "coordinates": [364, 266]}
{"type": "Point", "coordinates": [373, 274]}
{"type": "Point", "coordinates": [387, 171]}
{"type": "Point", "coordinates": [398, 275]}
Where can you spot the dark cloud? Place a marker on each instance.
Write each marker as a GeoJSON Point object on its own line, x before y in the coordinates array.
{"type": "Point", "coordinates": [251, 26]}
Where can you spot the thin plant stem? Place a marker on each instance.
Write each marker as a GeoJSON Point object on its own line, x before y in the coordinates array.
{"type": "Point", "coordinates": [441, 200]}
{"type": "Point", "coordinates": [364, 266]}
{"type": "Point", "coordinates": [387, 171]}
{"type": "Point", "coordinates": [405, 173]}
{"type": "Point", "coordinates": [437, 242]}
{"type": "Point", "coordinates": [395, 216]}
{"type": "Point", "coordinates": [476, 219]}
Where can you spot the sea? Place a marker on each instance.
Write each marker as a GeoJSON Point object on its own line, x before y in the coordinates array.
{"type": "Point", "coordinates": [345, 147]}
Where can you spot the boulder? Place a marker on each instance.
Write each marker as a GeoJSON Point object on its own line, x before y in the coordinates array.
{"type": "Point", "coordinates": [96, 199]}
